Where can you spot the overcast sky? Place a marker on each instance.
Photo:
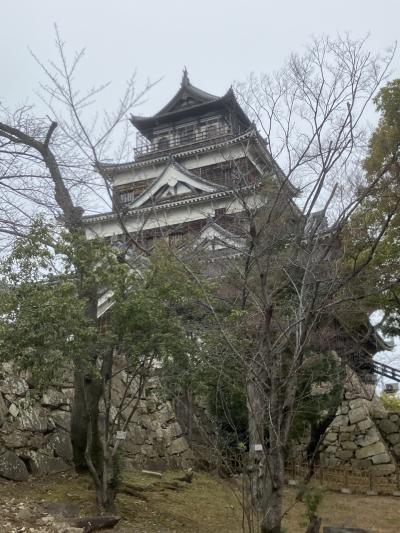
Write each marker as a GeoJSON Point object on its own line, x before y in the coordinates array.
{"type": "Point", "coordinates": [218, 40]}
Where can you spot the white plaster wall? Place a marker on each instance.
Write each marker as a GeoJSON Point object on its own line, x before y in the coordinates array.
{"type": "Point", "coordinates": [157, 218]}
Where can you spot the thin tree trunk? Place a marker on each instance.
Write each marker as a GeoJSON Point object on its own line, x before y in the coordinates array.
{"type": "Point", "coordinates": [256, 423]}
{"type": "Point", "coordinates": [271, 521]}
{"type": "Point", "coordinates": [79, 423]}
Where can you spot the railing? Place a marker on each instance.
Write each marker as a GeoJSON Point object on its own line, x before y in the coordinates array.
{"type": "Point", "coordinates": [171, 144]}
{"type": "Point", "coordinates": [386, 370]}
{"type": "Point", "coordinates": [340, 478]}
{"type": "Point", "coordinates": [345, 479]}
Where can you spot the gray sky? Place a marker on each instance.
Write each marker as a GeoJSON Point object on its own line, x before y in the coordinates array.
{"type": "Point", "coordinates": [218, 40]}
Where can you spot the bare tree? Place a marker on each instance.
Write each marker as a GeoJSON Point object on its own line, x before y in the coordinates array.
{"type": "Point", "coordinates": [49, 165]}
{"type": "Point", "coordinates": [291, 279]}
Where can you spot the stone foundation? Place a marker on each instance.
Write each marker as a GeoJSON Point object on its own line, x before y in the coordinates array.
{"type": "Point", "coordinates": [362, 436]}
{"type": "Point", "coordinates": [35, 428]}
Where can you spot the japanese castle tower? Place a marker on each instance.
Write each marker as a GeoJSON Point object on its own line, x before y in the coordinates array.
{"type": "Point", "coordinates": [191, 161]}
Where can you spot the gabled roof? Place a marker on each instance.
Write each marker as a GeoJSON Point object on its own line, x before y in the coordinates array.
{"type": "Point", "coordinates": [174, 181]}
{"type": "Point", "coordinates": [219, 237]}
{"type": "Point", "coordinates": [187, 101]}
{"type": "Point", "coordinates": [187, 96]}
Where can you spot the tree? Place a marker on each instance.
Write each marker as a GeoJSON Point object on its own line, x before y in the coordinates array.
{"type": "Point", "coordinates": [45, 328]}
{"type": "Point", "coordinates": [381, 211]}
{"type": "Point", "coordinates": [49, 165]}
{"type": "Point", "coordinates": [286, 291]}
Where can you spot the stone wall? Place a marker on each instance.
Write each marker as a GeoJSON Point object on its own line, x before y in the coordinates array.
{"type": "Point", "coordinates": [363, 435]}
{"type": "Point", "coordinates": [35, 428]}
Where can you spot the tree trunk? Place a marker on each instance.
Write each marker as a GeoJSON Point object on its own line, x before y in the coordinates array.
{"type": "Point", "coordinates": [272, 512]}
{"type": "Point", "coordinates": [256, 465]}
{"type": "Point", "coordinates": [266, 466]}
{"type": "Point", "coordinates": [79, 422]}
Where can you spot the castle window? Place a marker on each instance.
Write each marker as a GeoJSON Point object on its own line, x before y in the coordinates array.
{"type": "Point", "coordinates": [186, 134]}
{"type": "Point", "coordinates": [126, 197]}
{"type": "Point", "coordinates": [163, 143]}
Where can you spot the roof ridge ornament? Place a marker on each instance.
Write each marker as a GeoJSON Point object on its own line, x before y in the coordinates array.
{"type": "Point", "coordinates": [185, 77]}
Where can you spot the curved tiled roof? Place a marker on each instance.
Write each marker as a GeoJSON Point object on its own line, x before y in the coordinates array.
{"type": "Point", "coordinates": [189, 100]}
{"type": "Point", "coordinates": [114, 168]}
{"type": "Point", "coordinates": [168, 205]}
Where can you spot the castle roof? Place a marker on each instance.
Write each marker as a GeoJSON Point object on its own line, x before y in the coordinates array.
{"type": "Point", "coordinates": [189, 101]}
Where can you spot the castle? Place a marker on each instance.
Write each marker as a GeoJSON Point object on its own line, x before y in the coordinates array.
{"type": "Point", "coordinates": [193, 162]}
{"type": "Point", "coordinates": [193, 159]}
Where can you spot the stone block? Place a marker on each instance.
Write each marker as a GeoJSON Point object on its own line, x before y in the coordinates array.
{"type": "Point", "coordinates": [394, 438]}
{"type": "Point", "coordinates": [351, 428]}
{"type": "Point", "coordinates": [382, 458]}
{"type": "Point", "coordinates": [137, 435]}
{"type": "Point", "coordinates": [369, 438]}
{"type": "Point", "coordinates": [330, 437]}
{"type": "Point", "coordinates": [148, 451]}
{"type": "Point", "coordinates": [378, 412]}
{"type": "Point", "coordinates": [3, 409]}
{"type": "Point", "coordinates": [368, 451]}
{"type": "Point", "coordinates": [14, 385]}
{"type": "Point", "coordinates": [174, 430]}
{"type": "Point", "coordinates": [331, 449]}
{"type": "Point", "coordinates": [13, 410]}
{"type": "Point", "coordinates": [340, 420]}
{"type": "Point", "coordinates": [178, 445]}
{"type": "Point", "coordinates": [365, 424]}
{"type": "Point", "coordinates": [358, 402]}
{"type": "Point", "coordinates": [41, 463]}
{"type": "Point", "coordinates": [344, 455]}
{"type": "Point", "coordinates": [12, 467]}
{"type": "Point", "coordinates": [32, 418]}
{"type": "Point", "coordinates": [53, 398]}
{"type": "Point", "coordinates": [396, 449]}
{"type": "Point", "coordinates": [332, 461]}
{"type": "Point", "coordinates": [387, 426]}
{"type": "Point", "coordinates": [394, 418]}
{"type": "Point", "coordinates": [60, 442]}
{"type": "Point", "coordinates": [16, 439]}
{"type": "Point", "coordinates": [349, 445]}
{"type": "Point", "coordinates": [345, 437]}
{"type": "Point", "coordinates": [383, 470]}
{"type": "Point", "coordinates": [358, 414]}
{"type": "Point", "coordinates": [61, 419]}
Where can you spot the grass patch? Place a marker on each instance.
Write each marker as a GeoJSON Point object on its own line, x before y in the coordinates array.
{"type": "Point", "coordinates": [208, 505]}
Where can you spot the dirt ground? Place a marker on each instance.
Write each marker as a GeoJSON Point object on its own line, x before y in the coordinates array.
{"type": "Point", "coordinates": [207, 505]}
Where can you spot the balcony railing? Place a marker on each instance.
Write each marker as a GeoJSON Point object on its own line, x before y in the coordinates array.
{"type": "Point", "coordinates": [171, 144]}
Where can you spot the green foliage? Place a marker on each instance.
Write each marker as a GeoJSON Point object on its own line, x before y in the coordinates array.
{"type": "Point", "coordinates": [47, 293]}
{"type": "Point", "coordinates": [391, 402]}
{"type": "Point", "coordinates": [384, 143]}
{"type": "Point", "coordinates": [379, 215]}
{"type": "Point", "coordinates": [319, 392]}
{"type": "Point", "coordinates": [312, 498]}
{"type": "Point", "coordinates": [43, 322]}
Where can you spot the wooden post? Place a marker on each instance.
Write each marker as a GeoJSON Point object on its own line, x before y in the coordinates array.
{"type": "Point", "coordinates": [345, 489]}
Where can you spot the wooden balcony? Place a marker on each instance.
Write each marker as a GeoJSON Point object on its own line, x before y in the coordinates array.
{"type": "Point", "coordinates": [146, 149]}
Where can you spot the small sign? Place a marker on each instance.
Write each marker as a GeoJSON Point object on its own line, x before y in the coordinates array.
{"type": "Point", "coordinates": [258, 448]}
{"type": "Point", "coordinates": [120, 435]}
